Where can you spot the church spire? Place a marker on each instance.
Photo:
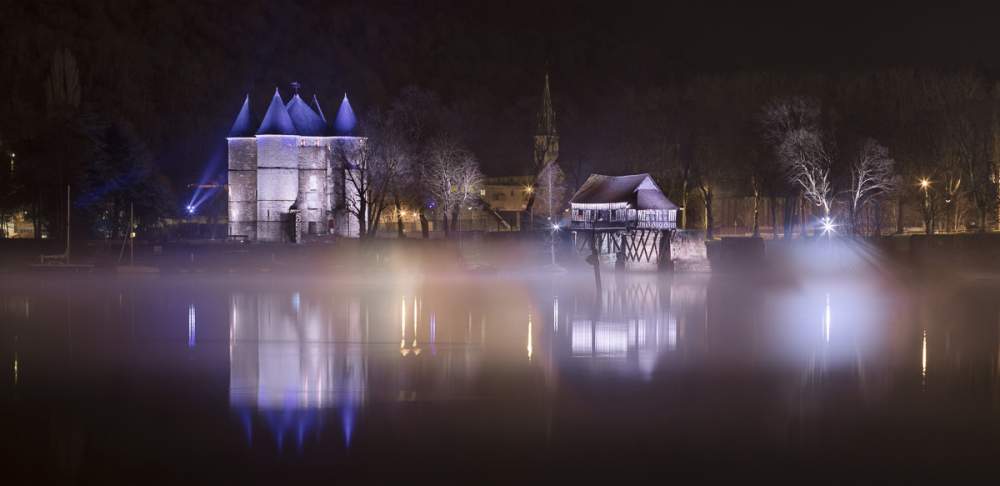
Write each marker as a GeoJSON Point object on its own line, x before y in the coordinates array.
{"type": "Point", "coordinates": [547, 115]}
{"type": "Point", "coordinates": [546, 136]}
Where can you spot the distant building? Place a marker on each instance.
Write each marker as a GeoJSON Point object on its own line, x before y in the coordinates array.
{"type": "Point", "coordinates": [507, 199]}
{"type": "Point", "coordinates": [287, 174]}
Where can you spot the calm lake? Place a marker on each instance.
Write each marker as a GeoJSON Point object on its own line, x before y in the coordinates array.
{"type": "Point", "coordinates": [502, 378]}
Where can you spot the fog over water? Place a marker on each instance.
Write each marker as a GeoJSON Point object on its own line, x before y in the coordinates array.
{"type": "Point", "coordinates": [498, 376]}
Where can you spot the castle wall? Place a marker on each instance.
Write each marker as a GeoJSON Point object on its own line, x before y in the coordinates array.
{"type": "Point", "coordinates": [269, 173]}
{"type": "Point", "coordinates": [314, 158]}
{"type": "Point", "coordinates": [243, 187]}
{"type": "Point", "coordinates": [277, 184]}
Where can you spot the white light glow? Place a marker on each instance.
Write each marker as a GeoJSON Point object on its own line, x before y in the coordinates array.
{"type": "Point", "coordinates": [923, 355]}
{"type": "Point", "coordinates": [826, 319]}
{"type": "Point", "coordinates": [829, 227]}
{"type": "Point", "coordinates": [191, 326]}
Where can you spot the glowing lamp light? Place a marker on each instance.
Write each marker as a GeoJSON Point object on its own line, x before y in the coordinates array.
{"type": "Point", "coordinates": [529, 189]}
{"type": "Point", "coordinates": [925, 183]}
{"type": "Point", "coordinates": [829, 227]}
{"type": "Point", "coordinates": [555, 226]}
{"type": "Point", "coordinates": [190, 209]}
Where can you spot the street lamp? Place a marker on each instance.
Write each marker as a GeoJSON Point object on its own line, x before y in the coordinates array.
{"type": "Point", "coordinates": [925, 184]}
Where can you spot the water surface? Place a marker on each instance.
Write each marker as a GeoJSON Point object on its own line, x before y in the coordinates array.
{"type": "Point", "coordinates": [463, 379]}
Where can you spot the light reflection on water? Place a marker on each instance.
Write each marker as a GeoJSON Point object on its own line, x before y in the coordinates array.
{"type": "Point", "coordinates": [308, 365]}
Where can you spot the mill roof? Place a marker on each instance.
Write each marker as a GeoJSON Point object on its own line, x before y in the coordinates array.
{"type": "Point", "coordinates": [638, 190]}
{"type": "Point", "coordinates": [277, 120]}
{"type": "Point", "coordinates": [243, 125]}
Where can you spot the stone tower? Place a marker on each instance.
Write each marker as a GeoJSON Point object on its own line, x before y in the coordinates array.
{"type": "Point", "coordinates": [287, 174]}
{"type": "Point", "coordinates": [546, 136]}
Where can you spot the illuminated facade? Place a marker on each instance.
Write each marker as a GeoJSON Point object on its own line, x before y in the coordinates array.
{"type": "Point", "coordinates": [626, 219]}
{"type": "Point", "coordinates": [287, 174]}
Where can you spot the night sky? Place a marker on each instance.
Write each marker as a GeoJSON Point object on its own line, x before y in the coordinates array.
{"type": "Point", "coordinates": [178, 72]}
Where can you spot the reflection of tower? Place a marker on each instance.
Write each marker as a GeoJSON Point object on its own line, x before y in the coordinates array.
{"type": "Point", "coordinates": [286, 363]}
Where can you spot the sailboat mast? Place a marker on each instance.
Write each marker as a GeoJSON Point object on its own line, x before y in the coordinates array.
{"type": "Point", "coordinates": [131, 236]}
{"type": "Point", "coordinates": [67, 222]}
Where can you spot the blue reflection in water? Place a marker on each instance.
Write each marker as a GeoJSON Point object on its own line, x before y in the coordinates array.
{"type": "Point", "coordinates": [191, 326]}
{"type": "Point", "coordinates": [288, 368]}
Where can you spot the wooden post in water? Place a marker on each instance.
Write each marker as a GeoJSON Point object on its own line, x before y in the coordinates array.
{"type": "Point", "coordinates": [595, 260]}
{"type": "Point", "coordinates": [665, 261]}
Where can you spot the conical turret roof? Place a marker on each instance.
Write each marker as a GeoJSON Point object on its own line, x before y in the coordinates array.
{"type": "Point", "coordinates": [276, 120]}
{"type": "Point", "coordinates": [307, 122]}
{"type": "Point", "coordinates": [243, 125]}
{"type": "Point", "coordinates": [346, 121]}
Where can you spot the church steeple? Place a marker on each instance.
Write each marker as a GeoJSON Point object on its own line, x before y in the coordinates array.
{"type": "Point", "coordinates": [546, 136]}
{"type": "Point", "coordinates": [546, 116]}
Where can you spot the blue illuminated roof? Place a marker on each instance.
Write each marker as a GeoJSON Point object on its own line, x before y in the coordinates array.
{"type": "Point", "coordinates": [276, 120]}
{"type": "Point", "coordinates": [307, 122]}
{"type": "Point", "coordinates": [243, 126]}
{"type": "Point", "coordinates": [345, 122]}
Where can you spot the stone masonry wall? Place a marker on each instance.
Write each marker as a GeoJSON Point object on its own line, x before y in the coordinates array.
{"type": "Point", "coordinates": [277, 184]}
{"type": "Point", "coordinates": [243, 187]}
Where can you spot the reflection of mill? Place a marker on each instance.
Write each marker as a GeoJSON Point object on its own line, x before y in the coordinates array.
{"type": "Point", "coordinates": [632, 321]}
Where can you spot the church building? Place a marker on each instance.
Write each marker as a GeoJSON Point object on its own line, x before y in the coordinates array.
{"type": "Point", "coordinates": [288, 173]}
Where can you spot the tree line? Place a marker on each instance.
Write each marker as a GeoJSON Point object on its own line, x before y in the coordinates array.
{"type": "Point", "coordinates": [888, 142]}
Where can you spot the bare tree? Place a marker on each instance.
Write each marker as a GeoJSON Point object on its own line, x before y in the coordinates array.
{"type": "Point", "coordinates": [872, 176]}
{"type": "Point", "coordinates": [452, 177]}
{"type": "Point", "coordinates": [809, 160]}
{"type": "Point", "coordinates": [375, 171]}
{"type": "Point", "coordinates": [778, 119]}
{"type": "Point", "coordinates": [62, 86]}
{"type": "Point", "coordinates": [782, 116]}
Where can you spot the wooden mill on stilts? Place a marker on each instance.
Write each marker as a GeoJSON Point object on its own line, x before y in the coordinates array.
{"type": "Point", "coordinates": [625, 220]}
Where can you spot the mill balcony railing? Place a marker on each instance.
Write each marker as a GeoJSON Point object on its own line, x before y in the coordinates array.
{"type": "Point", "coordinates": [585, 225]}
